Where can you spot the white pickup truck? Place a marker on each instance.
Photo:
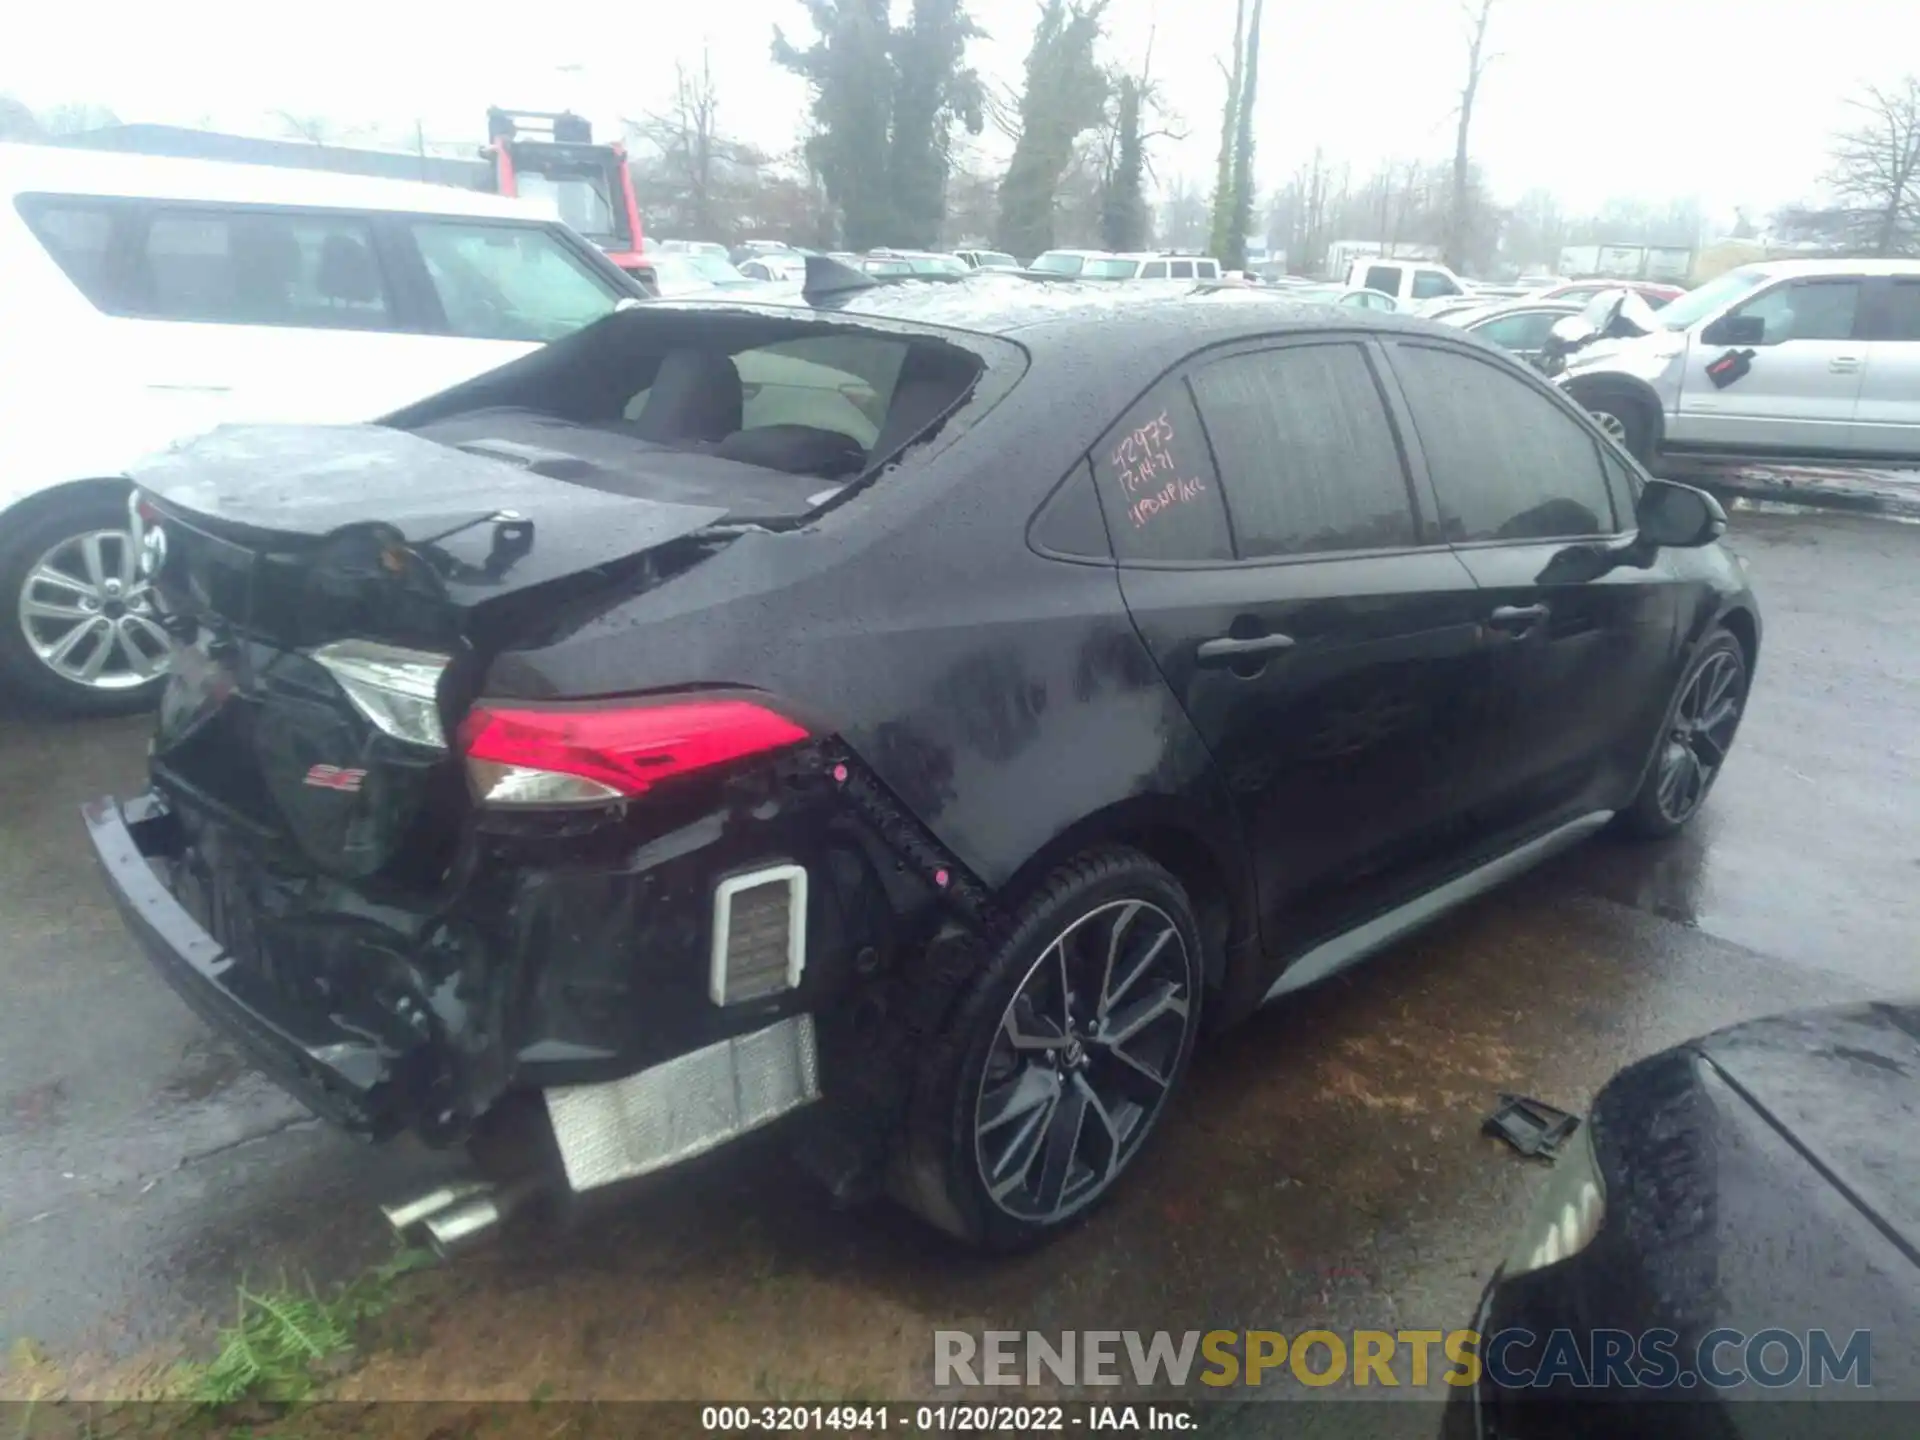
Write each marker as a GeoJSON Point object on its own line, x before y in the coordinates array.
{"type": "Point", "coordinates": [1408, 281]}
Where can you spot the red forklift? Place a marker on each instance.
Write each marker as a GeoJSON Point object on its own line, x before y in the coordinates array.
{"type": "Point", "coordinates": [552, 158]}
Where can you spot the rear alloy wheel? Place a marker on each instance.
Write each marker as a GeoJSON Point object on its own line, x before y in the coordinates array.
{"type": "Point", "coordinates": [83, 637]}
{"type": "Point", "coordinates": [1062, 1055]}
{"type": "Point", "coordinates": [1694, 744]}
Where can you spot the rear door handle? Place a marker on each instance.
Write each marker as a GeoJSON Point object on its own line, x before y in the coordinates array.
{"type": "Point", "coordinates": [1517, 619]}
{"type": "Point", "coordinates": [1230, 650]}
{"type": "Point", "coordinates": [1844, 364]}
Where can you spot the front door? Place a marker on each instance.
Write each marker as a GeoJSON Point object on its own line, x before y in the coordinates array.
{"type": "Point", "coordinates": [1298, 600]}
{"type": "Point", "coordinates": [1526, 492]}
{"type": "Point", "coordinates": [1804, 380]}
{"type": "Point", "coordinates": [1887, 419]}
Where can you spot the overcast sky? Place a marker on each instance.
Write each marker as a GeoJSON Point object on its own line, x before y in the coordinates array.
{"type": "Point", "coordinates": [1733, 102]}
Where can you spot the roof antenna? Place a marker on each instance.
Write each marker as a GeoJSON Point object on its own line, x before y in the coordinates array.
{"type": "Point", "coordinates": [828, 279]}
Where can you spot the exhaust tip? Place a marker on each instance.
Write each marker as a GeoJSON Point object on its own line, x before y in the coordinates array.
{"type": "Point", "coordinates": [455, 1229]}
{"type": "Point", "coordinates": [408, 1216]}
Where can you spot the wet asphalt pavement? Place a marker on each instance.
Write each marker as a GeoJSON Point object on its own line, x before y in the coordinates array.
{"type": "Point", "coordinates": [1323, 1168]}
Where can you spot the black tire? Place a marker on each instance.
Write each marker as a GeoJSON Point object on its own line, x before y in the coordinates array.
{"type": "Point", "coordinates": [1624, 418]}
{"type": "Point", "coordinates": [954, 1135]}
{"type": "Point", "coordinates": [24, 539]}
{"type": "Point", "coordinates": [1681, 771]}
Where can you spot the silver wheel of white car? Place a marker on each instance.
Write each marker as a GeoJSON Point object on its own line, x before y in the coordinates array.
{"type": "Point", "coordinates": [1615, 427]}
{"type": "Point", "coordinates": [87, 616]}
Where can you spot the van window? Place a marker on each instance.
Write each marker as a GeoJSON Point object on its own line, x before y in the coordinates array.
{"type": "Point", "coordinates": [506, 281]}
{"type": "Point", "coordinates": [79, 236]}
{"type": "Point", "coordinates": [261, 267]}
{"type": "Point", "coordinates": [1384, 278]}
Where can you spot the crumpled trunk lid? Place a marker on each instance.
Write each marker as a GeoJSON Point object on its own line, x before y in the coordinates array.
{"type": "Point", "coordinates": [278, 547]}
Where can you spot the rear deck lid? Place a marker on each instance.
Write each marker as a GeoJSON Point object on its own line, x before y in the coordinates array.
{"type": "Point", "coordinates": [485, 524]}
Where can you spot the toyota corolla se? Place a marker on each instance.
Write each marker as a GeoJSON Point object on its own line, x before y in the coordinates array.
{"type": "Point", "coordinates": [916, 718]}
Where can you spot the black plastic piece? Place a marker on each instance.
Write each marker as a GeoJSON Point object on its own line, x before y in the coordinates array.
{"type": "Point", "coordinates": [1532, 1127]}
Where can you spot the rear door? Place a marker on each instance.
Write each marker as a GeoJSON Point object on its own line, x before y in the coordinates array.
{"type": "Point", "coordinates": [1804, 383]}
{"type": "Point", "coordinates": [1580, 664]}
{"type": "Point", "coordinates": [1300, 601]}
{"type": "Point", "coordinates": [1887, 419]}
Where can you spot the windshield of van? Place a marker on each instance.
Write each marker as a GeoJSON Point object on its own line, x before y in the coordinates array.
{"type": "Point", "coordinates": [1710, 298]}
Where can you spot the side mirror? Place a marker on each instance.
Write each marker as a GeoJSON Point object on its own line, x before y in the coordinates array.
{"type": "Point", "coordinates": [1736, 330]}
{"type": "Point", "coordinates": [1678, 517]}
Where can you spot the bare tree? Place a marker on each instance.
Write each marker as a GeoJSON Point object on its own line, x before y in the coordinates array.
{"type": "Point", "coordinates": [696, 177]}
{"type": "Point", "coordinates": [1477, 62]}
{"type": "Point", "coordinates": [314, 129]}
{"type": "Point", "coordinates": [1875, 175]}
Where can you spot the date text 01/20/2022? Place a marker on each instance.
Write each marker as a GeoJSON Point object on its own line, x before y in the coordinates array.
{"type": "Point", "coordinates": [976, 1419]}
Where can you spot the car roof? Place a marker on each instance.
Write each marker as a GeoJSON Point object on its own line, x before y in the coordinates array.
{"type": "Point", "coordinates": [1786, 269]}
{"type": "Point", "coordinates": [63, 170]}
{"type": "Point", "coordinates": [1065, 317]}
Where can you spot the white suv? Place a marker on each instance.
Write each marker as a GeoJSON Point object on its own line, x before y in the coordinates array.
{"type": "Point", "coordinates": [149, 299]}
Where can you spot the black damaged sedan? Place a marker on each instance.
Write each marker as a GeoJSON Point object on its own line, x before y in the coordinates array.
{"type": "Point", "coordinates": [917, 716]}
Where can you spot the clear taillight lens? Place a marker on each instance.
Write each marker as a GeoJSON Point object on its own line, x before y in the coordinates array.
{"type": "Point", "coordinates": [395, 688]}
{"type": "Point", "coordinates": [593, 754]}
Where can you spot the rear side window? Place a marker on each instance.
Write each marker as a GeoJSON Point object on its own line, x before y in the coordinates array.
{"type": "Point", "coordinates": [1507, 463]}
{"type": "Point", "coordinates": [1898, 316]}
{"type": "Point", "coordinates": [261, 267]}
{"type": "Point", "coordinates": [1385, 278]}
{"type": "Point", "coordinates": [1307, 455]}
{"type": "Point", "coordinates": [79, 237]}
{"type": "Point", "coordinates": [1157, 485]}
{"type": "Point", "coordinates": [510, 282]}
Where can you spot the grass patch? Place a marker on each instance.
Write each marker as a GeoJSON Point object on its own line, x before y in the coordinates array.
{"type": "Point", "coordinates": [284, 1343]}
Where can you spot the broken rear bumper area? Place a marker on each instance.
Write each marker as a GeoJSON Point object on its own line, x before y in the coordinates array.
{"type": "Point", "coordinates": [338, 1076]}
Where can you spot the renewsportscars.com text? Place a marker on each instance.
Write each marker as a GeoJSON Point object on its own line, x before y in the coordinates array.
{"type": "Point", "coordinates": [1509, 1359]}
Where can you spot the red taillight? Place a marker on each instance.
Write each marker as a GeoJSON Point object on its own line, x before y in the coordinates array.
{"type": "Point", "coordinates": [594, 754]}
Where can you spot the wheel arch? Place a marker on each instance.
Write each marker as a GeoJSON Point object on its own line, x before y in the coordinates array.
{"type": "Point", "coordinates": [1627, 387]}
{"type": "Point", "coordinates": [34, 502]}
{"type": "Point", "coordinates": [1176, 837]}
{"type": "Point", "coordinates": [1745, 628]}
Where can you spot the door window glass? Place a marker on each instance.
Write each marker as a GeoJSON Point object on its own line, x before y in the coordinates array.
{"type": "Point", "coordinates": [1806, 310]}
{"type": "Point", "coordinates": [260, 267]}
{"type": "Point", "coordinates": [1307, 455]}
{"type": "Point", "coordinates": [1384, 278]}
{"type": "Point", "coordinates": [1507, 462]}
{"type": "Point", "coordinates": [1157, 485]}
{"type": "Point", "coordinates": [1183, 270]}
{"type": "Point", "coordinates": [502, 281]}
{"type": "Point", "coordinates": [1525, 331]}
{"type": "Point", "coordinates": [1207, 269]}
{"type": "Point", "coordinates": [1431, 284]}
{"type": "Point", "coordinates": [1154, 270]}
